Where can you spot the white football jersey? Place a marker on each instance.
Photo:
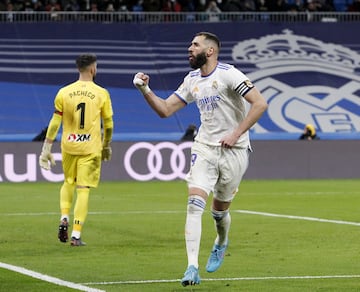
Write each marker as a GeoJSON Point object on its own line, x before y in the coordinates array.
{"type": "Point", "coordinates": [219, 98]}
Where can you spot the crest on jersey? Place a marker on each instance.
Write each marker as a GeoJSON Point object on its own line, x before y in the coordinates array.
{"type": "Point", "coordinates": [215, 85]}
{"type": "Point", "coordinates": [305, 81]}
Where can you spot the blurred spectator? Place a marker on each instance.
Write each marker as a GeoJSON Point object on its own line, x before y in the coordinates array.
{"type": "Point", "coordinates": [190, 133]}
{"type": "Point", "coordinates": [17, 5]}
{"type": "Point", "coordinates": [213, 11]}
{"type": "Point", "coordinates": [297, 6]}
{"type": "Point", "coordinates": [124, 9]}
{"type": "Point", "coordinates": [247, 5]}
{"type": "Point", "coordinates": [41, 136]}
{"type": "Point", "coordinates": [171, 6]}
{"type": "Point", "coordinates": [10, 10]}
{"type": "Point", "coordinates": [138, 6]}
{"type": "Point", "coordinates": [28, 5]}
{"type": "Point", "coordinates": [311, 6]}
{"type": "Point", "coordinates": [94, 7]}
{"type": "Point", "coordinates": [200, 5]}
{"type": "Point", "coordinates": [84, 5]}
{"type": "Point", "coordinates": [38, 5]}
{"type": "Point", "coordinates": [261, 6]}
{"type": "Point", "coordinates": [110, 7]}
{"type": "Point", "coordinates": [309, 133]}
{"type": "Point", "coordinates": [71, 5]}
{"type": "Point", "coordinates": [53, 5]}
{"type": "Point", "coordinates": [319, 5]}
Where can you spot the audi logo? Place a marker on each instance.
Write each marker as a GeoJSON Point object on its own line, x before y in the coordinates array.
{"type": "Point", "coordinates": [158, 164]}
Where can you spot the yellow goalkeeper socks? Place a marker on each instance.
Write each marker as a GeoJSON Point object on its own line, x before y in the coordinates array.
{"type": "Point", "coordinates": [80, 210]}
{"type": "Point", "coordinates": [66, 197]}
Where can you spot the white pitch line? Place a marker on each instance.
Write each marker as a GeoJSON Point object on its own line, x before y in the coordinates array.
{"type": "Point", "coordinates": [96, 213]}
{"type": "Point", "coordinates": [47, 278]}
{"type": "Point", "coordinates": [297, 217]}
{"type": "Point", "coordinates": [229, 279]}
{"type": "Point", "coordinates": [180, 212]}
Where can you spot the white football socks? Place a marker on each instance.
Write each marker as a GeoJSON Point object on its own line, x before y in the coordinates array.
{"type": "Point", "coordinates": [222, 226]}
{"type": "Point", "coordinates": [76, 234]}
{"type": "Point", "coordinates": [64, 217]}
{"type": "Point", "coordinates": [195, 209]}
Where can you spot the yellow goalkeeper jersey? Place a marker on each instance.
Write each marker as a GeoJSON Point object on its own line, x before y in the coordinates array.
{"type": "Point", "coordinates": [83, 105]}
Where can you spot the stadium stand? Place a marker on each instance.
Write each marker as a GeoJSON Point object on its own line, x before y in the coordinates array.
{"type": "Point", "coordinates": [183, 17]}
{"type": "Point", "coordinates": [166, 6]}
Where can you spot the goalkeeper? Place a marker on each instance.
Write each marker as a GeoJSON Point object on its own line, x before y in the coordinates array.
{"type": "Point", "coordinates": [81, 107]}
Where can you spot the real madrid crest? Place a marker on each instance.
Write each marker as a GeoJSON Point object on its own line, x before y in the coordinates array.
{"type": "Point", "coordinates": [304, 80]}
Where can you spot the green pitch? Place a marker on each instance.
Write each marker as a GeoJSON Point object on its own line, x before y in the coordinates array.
{"type": "Point", "coordinates": [292, 235]}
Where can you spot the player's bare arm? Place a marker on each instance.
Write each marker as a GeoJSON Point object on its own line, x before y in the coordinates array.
{"type": "Point", "coordinates": [258, 105]}
{"type": "Point", "coordinates": [163, 107]}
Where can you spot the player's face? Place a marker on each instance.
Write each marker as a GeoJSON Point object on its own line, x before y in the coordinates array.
{"type": "Point", "coordinates": [197, 53]}
{"type": "Point", "coordinates": [198, 61]}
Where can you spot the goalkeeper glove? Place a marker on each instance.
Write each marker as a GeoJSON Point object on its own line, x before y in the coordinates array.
{"type": "Point", "coordinates": [140, 84]}
{"type": "Point", "coordinates": [46, 157]}
{"type": "Point", "coordinates": [106, 153]}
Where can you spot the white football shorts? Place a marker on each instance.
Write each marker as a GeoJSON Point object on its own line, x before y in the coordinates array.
{"type": "Point", "coordinates": [217, 169]}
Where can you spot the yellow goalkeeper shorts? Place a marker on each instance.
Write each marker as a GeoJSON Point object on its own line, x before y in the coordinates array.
{"type": "Point", "coordinates": [84, 170]}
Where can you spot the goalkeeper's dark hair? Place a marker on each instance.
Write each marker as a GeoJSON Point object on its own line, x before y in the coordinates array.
{"type": "Point", "coordinates": [210, 36]}
{"type": "Point", "coordinates": [84, 61]}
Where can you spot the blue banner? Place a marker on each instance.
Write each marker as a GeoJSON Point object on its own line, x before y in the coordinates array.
{"type": "Point", "coordinates": [308, 72]}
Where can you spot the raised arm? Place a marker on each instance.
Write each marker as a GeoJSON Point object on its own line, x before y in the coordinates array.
{"type": "Point", "coordinates": [163, 107]}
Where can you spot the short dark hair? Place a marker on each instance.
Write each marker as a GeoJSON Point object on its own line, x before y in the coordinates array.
{"type": "Point", "coordinates": [210, 36]}
{"type": "Point", "coordinates": [85, 60]}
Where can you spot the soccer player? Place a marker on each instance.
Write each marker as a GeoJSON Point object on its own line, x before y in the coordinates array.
{"type": "Point", "coordinates": [220, 153]}
{"type": "Point", "coordinates": [81, 107]}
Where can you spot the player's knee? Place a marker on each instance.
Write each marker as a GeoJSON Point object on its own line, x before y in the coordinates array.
{"type": "Point", "coordinates": [196, 204]}
{"type": "Point", "coordinates": [219, 215]}
{"type": "Point", "coordinates": [69, 187]}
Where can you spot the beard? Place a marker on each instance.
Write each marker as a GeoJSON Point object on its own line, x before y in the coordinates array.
{"type": "Point", "coordinates": [198, 61]}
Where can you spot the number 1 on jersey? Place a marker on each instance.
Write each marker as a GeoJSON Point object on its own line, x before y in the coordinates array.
{"type": "Point", "coordinates": [81, 107]}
